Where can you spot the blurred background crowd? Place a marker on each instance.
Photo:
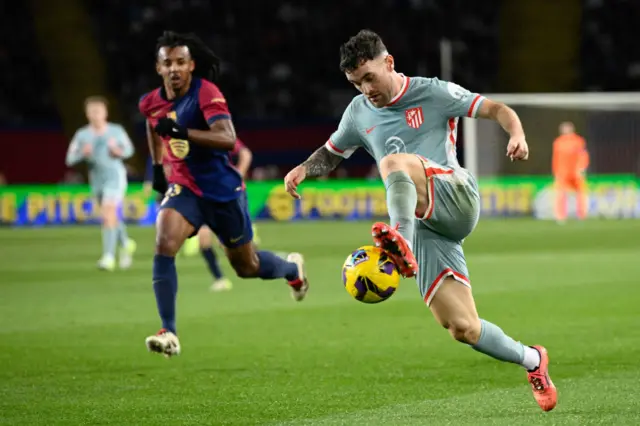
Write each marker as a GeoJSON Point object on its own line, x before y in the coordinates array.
{"type": "Point", "coordinates": [280, 61]}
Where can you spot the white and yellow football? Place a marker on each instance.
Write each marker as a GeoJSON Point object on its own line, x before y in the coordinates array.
{"type": "Point", "coordinates": [369, 275]}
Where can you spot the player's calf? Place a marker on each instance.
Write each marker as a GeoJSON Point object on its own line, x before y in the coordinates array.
{"type": "Point", "coordinates": [465, 330]}
{"type": "Point", "coordinates": [454, 308]}
{"type": "Point", "coordinates": [266, 265]}
{"type": "Point", "coordinates": [245, 265]}
{"type": "Point", "coordinates": [171, 231]}
{"type": "Point", "coordinates": [109, 236]}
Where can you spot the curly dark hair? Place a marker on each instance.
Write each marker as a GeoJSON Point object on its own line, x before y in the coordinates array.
{"type": "Point", "coordinates": [207, 63]}
{"type": "Point", "coordinates": [360, 48]}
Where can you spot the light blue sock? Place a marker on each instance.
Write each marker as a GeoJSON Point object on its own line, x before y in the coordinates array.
{"type": "Point", "coordinates": [402, 199]}
{"type": "Point", "coordinates": [109, 237]}
{"type": "Point", "coordinates": [123, 238]}
{"type": "Point", "coordinates": [496, 344]}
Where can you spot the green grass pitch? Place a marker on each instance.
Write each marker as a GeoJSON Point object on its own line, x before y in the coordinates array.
{"type": "Point", "coordinates": [72, 338]}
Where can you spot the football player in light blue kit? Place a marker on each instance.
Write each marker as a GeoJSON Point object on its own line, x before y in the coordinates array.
{"type": "Point", "coordinates": [103, 146]}
{"type": "Point", "coordinates": [409, 125]}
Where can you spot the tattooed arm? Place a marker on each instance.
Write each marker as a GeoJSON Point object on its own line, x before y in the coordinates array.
{"type": "Point", "coordinates": [321, 162]}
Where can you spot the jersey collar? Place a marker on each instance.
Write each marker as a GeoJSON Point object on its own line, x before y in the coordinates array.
{"type": "Point", "coordinates": [163, 92]}
{"type": "Point", "coordinates": [403, 90]}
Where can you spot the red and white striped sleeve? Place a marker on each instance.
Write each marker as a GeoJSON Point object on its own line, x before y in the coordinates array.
{"type": "Point", "coordinates": [345, 140]}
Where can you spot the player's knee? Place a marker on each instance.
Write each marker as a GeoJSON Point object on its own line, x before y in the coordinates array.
{"type": "Point", "coordinates": [464, 330]}
{"type": "Point", "coordinates": [167, 245]}
{"type": "Point", "coordinates": [393, 163]}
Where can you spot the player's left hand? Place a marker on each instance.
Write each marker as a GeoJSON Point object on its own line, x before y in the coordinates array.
{"type": "Point", "coordinates": [167, 127]}
{"type": "Point", "coordinates": [87, 150]}
{"type": "Point", "coordinates": [517, 149]}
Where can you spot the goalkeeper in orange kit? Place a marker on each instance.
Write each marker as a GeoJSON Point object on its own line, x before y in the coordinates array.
{"type": "Point", "coordinates": [569, 165]}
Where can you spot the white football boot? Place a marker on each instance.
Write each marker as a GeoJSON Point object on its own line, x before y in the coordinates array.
{"type": "Point", "coordinates": [298, 290]}
{"type": "Point", "coordinates": [163, 342]}
{"type": "Point", "coordinates": [107, 263]}
{"type": "Point", "coordinates": [126, 254]}
{"type": "Point", "coordinates": [222, 284]}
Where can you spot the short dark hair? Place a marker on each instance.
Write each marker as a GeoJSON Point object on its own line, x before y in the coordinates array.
{"type": "Point", "coordinates": [362, 47]}
{"type": "Point", "coordinates": [96, 100]}
{"type": "Point", "coordinates": [207, 62]}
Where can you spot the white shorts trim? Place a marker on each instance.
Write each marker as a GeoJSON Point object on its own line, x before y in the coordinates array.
{"type": "Point", "coordinates": [448, 272]}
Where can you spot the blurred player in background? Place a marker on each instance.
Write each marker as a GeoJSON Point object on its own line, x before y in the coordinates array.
{"type": "Point", "coordinates": [103, 146]}
{"type": "Point", "coordinates": [189, 117]}
{"type": "Point", "coordinates": [409, 126]}
{"type": "Point", "coordinates": [241, 156]}
{"type": "Point", "coordinates": [569, 164]}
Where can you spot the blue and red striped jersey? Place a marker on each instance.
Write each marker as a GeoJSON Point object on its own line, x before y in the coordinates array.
{"type": "Point", "coordinates": [205, 171]}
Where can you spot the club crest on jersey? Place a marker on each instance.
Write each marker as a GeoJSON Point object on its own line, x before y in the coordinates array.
{"type": "Point", "coordinates": [414, 117]}
{"type": "Point", "coordinates": [179, 148]}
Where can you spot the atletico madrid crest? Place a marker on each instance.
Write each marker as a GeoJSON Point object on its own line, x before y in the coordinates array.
{"type": "Point", "coordinates": [414, 117]}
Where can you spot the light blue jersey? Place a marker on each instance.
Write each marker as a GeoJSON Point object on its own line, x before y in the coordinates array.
{"type": "Point", "coordinates": [422, 119]}
{"type": "Point", "coordinates": [107, 173]}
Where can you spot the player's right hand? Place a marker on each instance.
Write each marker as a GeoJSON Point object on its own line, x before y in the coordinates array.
{"type": "Point", "coordinates": [517, 149]}
{"type": "Point", "coordinates": [293, 179]}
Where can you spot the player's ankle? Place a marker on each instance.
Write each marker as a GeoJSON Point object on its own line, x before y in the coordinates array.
{"type": "Point", "coordinates": [532, 359]}
{"type": "Point", "coordinates": [296, 284]}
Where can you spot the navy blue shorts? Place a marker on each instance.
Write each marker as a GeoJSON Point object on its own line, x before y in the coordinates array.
{"type": "Point", "coordinates": [230, 220]}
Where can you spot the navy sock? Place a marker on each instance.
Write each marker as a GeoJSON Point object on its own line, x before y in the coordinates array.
{"type": "Point", "coordinates": [210, 256]}
{"type": "Point", "coordinates": [272, 266]}
{"type": "Point", "coordinates": [165, 285]}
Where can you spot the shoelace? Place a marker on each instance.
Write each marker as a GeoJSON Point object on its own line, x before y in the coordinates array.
{"type": "Point", "coordinates": [537, 383]}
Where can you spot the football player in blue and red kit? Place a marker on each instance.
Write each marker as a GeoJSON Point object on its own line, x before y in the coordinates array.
{"type": "Point", "coordinates": [189, 117]}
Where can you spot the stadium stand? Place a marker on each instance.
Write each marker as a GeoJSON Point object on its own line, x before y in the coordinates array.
{"type": "Point", "coordinates": [610, 57]}
{"type": "Point", "coordinates": [281, 57]}
{"type": "Point", "coordinates": [26, 97]}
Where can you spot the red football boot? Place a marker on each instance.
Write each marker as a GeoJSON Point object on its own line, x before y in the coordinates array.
{"type": "Point", "coordinates": [391, 241]}
{"type": "Point", "coordinates": [543, 388]}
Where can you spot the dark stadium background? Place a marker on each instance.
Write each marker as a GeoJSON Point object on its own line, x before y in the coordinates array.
{"type": "Point", "coordinates": [280, 70]}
